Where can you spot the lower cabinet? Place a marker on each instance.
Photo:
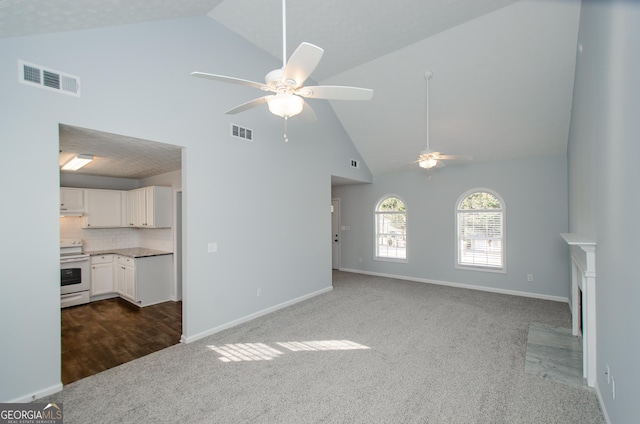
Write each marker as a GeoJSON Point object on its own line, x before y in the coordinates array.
{"type": "Point", "coordinates": [101, 275]}
{"type": "Point", "coordinates": [146, 280]}
{"type": "Point", "coordinates": [125, 277]}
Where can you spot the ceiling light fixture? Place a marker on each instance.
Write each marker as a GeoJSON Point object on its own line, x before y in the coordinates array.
{"type": "Point", "coordinates": [77, 162]}
{"type": "Point", "coordinates": [285, 104]}
{"type": "Point", "coordinates": [427, 163]}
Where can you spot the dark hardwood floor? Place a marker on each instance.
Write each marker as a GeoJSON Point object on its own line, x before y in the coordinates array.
{"type": "Point", "coordinates": [101, 335]}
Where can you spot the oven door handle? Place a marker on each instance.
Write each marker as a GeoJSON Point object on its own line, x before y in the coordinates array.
{"type": "Point", "coordinates": [69, 261]}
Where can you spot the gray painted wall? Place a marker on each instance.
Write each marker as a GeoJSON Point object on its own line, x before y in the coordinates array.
{"type": "Point", "coordinates": [265, 203]}
{"type": "Point", "coordinates": [604, 174]}
{"type": "Point", "coordinates": [535, 195]}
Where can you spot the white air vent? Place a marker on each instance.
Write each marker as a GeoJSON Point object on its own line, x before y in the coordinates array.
{"type": "Point", "coordinates": [241, 132]}
{"type": "Point", "coordinates": [354, 164]}
{"type": "Point", "coordinates": [39, 76]}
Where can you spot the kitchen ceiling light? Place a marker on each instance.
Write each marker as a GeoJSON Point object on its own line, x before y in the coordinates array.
{"type": "Point", "coordinates": [285, 104]}
{"type": "Point", "coordinates": [77, 162]}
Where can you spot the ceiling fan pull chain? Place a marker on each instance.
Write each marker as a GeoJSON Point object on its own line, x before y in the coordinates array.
{"type": "Point", "coordinates": [286, 138]}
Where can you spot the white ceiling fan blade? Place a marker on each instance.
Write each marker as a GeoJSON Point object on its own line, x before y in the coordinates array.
{"type": "Point", "coordinates": [454, 157]}
{"type": "Point", "coordinates": [232, 80]}
{"type": "Point", "coordinates": [429, 152]}
{"type": "Point", "coordinates": [335, 92]}
{"type": "Point", "coordinates": [248, 105]}
{"type": "Point", "coordinates": [302, 63]}
{"type": "Point", "coordinates": [307, 114]}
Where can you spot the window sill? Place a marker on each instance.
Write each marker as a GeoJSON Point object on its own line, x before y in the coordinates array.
{"type": "Point", "coordinates": [385, 259]}
{"type": "Point", "coordinates": [482, 269]}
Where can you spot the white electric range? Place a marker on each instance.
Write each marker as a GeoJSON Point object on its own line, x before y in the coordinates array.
{"type": "Point", "coordinates": [75, 273]}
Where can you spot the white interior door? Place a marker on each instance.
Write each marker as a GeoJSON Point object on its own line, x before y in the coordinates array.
{"type": "Point", "coordinates": [335, 233]}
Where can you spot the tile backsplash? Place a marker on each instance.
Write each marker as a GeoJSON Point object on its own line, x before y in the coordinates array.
{"type": "Point", "coordinates": [116, 238]}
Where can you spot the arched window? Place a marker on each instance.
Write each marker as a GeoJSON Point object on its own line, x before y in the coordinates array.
{"type": "Point", "coordinates": [391, 229]}
{"type": "Point", "coordinates": [480, 216]}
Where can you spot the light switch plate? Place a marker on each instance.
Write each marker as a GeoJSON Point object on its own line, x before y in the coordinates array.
{"type": "Point", "coordinates": [212, 247]}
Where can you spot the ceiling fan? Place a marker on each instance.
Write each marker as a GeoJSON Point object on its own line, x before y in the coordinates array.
{"type": "Point", "coordinates": [287, 83]}
{"type": "Point", "coordinates": [429, 158]}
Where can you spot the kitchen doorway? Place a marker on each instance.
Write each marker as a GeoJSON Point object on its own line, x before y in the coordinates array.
{"type": "Point", "coordinates": [109, 330]}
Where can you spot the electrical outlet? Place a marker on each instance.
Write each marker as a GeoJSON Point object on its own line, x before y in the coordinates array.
{"type": "Point", "coordinates": [212, 247]}
{"type": "Point", "coordinates": [529, 277]}
{"type": "Point", "coordinates": [360, 259]}
{"type": "Point", "coordinates": [259, 292]}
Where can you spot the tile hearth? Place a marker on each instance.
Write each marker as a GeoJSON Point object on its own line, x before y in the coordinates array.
{"type": "Point", "coordinates": [554, 353]}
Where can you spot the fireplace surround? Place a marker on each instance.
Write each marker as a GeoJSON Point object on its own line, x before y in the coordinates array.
{"type": "Point", "coordinates": [583, 299]}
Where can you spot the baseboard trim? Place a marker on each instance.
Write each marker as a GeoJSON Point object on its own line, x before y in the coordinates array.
{"type": "Point", "coordinates": [461, 286]}
{"type": "Point", "coordinates": [601, 401]}
{"type": "Point", "coordinates": [39, 394]}
{"type": "Point", "coordinates": [253, 316]}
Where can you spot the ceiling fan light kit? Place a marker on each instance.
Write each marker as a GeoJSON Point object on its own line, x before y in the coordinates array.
{"type": "Point", "coordinates": [285, 105]}
{"type": "Point", "coordinates": [286, 83]}
{"type": "Point", "coordinates": [427, 162]}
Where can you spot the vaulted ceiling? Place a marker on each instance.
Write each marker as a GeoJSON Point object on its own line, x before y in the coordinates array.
{"type": "Point", "coordinates": [503, 69]}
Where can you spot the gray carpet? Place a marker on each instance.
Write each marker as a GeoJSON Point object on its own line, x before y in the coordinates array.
{"type": "Point", "coordinates": [374, 350]}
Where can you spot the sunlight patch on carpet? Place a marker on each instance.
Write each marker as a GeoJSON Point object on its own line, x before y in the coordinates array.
{"type": "Point", "coordinates": [239, 352]}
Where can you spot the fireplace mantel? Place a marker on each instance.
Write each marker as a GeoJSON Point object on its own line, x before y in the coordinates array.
{"type": "Point", "coordinates": [583, 283]}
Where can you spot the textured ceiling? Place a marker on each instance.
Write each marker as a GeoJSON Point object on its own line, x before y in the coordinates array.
{"type": "Point", "coordinates": [503, 69]}
{"type": "Point", "coordinates": [351, 32]}
{"type": "Point", "coordinates": [116, 155]}
{"type": "Point", "coordinates": [27, 17]}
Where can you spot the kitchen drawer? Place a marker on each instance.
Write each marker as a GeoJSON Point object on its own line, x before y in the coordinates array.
{"type": "Point", "coordinates": [125, 260]}
{"type": "Point", "coordinates": [101, 259]}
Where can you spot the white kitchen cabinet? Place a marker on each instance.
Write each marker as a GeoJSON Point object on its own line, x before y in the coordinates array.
{"type": "Point", "coordinates": [103, 209]}
{"type": "Point", "coordinates": [71, 199]}
{"type": "Point", "coordinates": [118, 278]}
{"type": "Point", "coordinates": [150, 207]}
{"type": "Point", "coordinates": [125, 277]}
{"type": "Point", "coordinates": [102, 276]}
{"type": "Point", "coordinates": [146, 280]}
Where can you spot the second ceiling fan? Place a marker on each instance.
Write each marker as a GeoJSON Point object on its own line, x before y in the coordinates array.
{"type": "Point", "coordinates": [429, 158]}
{"type": "Point", "coordinates": [286, 83]}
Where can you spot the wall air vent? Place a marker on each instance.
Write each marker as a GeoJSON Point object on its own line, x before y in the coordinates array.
{"type": "Point", "coordinates": [355, 164]}
{"type": "Point", "coordinates": [49, 79]}
{"type": "Point", "coordinates": [241, 132]}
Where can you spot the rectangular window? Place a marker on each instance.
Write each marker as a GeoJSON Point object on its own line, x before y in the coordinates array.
{"type": "Point", "coordinates": [480, 239]}
{"type": "Point", "coordinates": [391, 236]}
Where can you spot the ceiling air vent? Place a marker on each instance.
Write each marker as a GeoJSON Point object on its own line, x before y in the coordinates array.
{"type": "Point", "coordinates": [39, 76]}
{"type": "Point", "coordinates": [241, 132]}
{"type": "Point", "coordinates": [354, 164]}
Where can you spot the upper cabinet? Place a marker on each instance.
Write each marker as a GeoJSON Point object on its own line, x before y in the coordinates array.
{"type": "Point", "coordinates": [103, 208]}
{"type": "Point", "coordinates": [71, 199]}
{"type": "Point", "coordinates": [150, 207]}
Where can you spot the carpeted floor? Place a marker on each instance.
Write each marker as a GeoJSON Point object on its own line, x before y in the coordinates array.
{"type": "Point", "coordinates": [374, 350]}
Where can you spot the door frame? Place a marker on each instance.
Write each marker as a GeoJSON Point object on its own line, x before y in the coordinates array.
{"type": "Point", "coordinates": [335, 223]}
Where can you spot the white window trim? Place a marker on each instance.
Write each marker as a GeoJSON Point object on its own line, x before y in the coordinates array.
{"type": "Point", "coordinates": [503, 269]}
{"type": "Point", "coordinates": [375, 232]}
